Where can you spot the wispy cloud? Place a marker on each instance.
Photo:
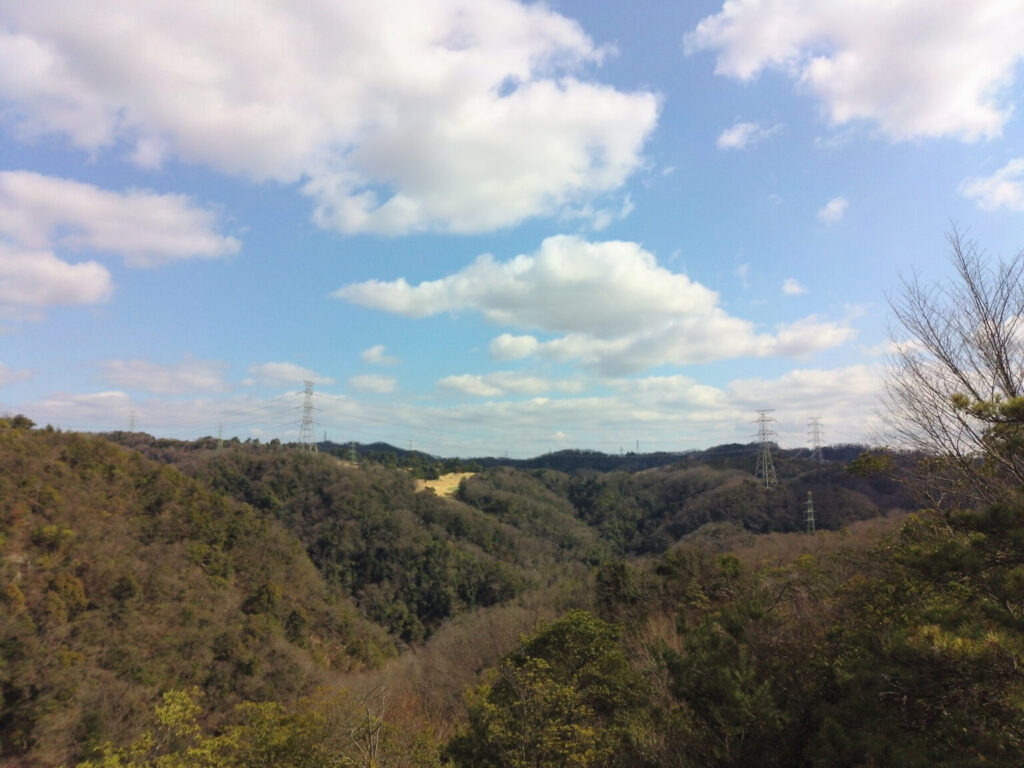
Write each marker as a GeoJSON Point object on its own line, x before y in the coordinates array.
{"type": "Point", "coordinates": [377, 355]}
{"type": "Point", "coordinates": [10, 375]}
{"type": "Point", "coordinates": [791, 287]}
{"type": "Point", "coordinates": [1003, 189]}
{"type": "Point", "coordinates": [372, 382]}
{"type": "Point", "coordinates": [506, 382]}
{"type": "Point", "coordinates": [286, 374]}
{"type": "Point", "coordinates": [190, 376]}
{"type": "Point", "coordinates": [670, 412]}
{"type": "Point", "coordinates": [834, 210]}
{"type": "Point", "coordinates": [743, 135]}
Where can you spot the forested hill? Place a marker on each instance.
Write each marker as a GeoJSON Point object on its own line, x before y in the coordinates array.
{"type": "Point", "coordinates": [245, 572]}
{"type": "Point", "coordinates": [123, 578]}
{"type": "Point", "coordinates": [587, 514]}
{"type": "Point", "coordinates": [732, 455]}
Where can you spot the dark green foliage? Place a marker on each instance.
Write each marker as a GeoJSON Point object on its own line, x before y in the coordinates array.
{"type": "Point", "coordinates": [528, 502]}
{"type": "Point", "coordinates": [647, 512]}
{"type": "Point", "coordinates": [410, 560]}
{"type": "Point", "coordinates": [566, 696]}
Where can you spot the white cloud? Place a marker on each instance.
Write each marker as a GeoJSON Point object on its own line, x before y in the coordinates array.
{"type": "Point", "coordinates": [506, 382]}
{"type": "Point", "coordinates": [854, 389]}
{"type": "Point", "coordinates": [742, 271]}
{"type": "Point", "coordinates": [103, 410]}
{"type": "Point", "coordinates": [568, 285]}
{"type": "Point", "coordinates": [916, 68]}
{"type": "Point", "coordinates": [509, 347]}
{"type": "Point", "coordinates": [188, 376]}
{"type": "Point", "coordinates": [834, 210]}
{"type": "Point", "coordinates": [377, 356]}
{"type": "Point", "coordinates": [37, 278]}
{"type": "Point", "coordinates": [286, 374]}
{"type": "Point", "coordinates": [809, 335]}
{"type": "Point", "coordinates": [618, 311]}
{"type": "Point", "coordinates": [742, 135]}
{"type": "Point", "coordinates": [1003, 189]}
{"type": "Point", "coordinates": [144, 228]}
{"type": "Point", "coordinates": [791, 287]}
{"type": "Point", "coordinates": [395, 116]}
{"type": "Point", "coordinates": [663, 412]}
{"type": "Point", "coordinates": [10, 375]}
{"type": "Point", "coordinates": [371, 382]}
{"type": "Point", "coordinates": [469, 384]}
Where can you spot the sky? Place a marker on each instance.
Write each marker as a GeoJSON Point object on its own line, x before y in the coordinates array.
{"type": "Point", "coordinates": [484, 227]}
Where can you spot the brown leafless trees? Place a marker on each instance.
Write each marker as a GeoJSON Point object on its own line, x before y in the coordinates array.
{"type": "Point", "coordinates": [956, 378]}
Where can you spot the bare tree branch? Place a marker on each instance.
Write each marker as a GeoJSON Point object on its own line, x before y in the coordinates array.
{"type": "Point", "coordinates": [958, 362]}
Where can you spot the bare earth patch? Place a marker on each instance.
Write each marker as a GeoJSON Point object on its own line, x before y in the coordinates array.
{"type": "Point", "coordinates": [445, 485]}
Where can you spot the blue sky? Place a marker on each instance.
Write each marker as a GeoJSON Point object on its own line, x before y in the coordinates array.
{"type": "Point", "coordinates": [483, 227]}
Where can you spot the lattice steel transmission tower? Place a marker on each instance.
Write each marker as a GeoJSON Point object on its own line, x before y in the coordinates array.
{"type": "Point", "coordinates": [765, 467]}
{"type": "Point", "coordinates": [306, 437]}
{"type": "Point", "coordinates": [809, 514]}
{"type": "Point", "coordinates": [814, 432]}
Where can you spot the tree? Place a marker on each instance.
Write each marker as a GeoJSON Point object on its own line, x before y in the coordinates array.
{"type": "Point", "coordinates": [956, 383]}
{"type": "Point", "coordinates": [566, 697]}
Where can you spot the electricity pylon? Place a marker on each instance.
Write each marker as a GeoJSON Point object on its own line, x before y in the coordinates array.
{"type": "Point", "coordinates": [306, 437]}
{"type": "Point", "coordinates": [809, 515]}
{"type": "Point", "coordinates": [814, 432]}
{"type": "Point", "coordinates": [765, 467]}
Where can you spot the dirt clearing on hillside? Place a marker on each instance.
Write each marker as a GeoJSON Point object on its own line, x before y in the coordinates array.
{"type": "Point", "coordinates": [445, 485]}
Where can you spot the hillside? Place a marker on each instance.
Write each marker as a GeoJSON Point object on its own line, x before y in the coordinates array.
{"type": "Point", "coordinates": [123, 577]}
{"type": "Point", "coordinates": [248, 575]}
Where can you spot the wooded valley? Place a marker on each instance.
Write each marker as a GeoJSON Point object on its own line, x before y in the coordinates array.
{"type": "Point", "coordinates": [175, 603]}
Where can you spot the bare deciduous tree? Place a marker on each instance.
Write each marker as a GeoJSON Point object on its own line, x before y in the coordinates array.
{"type": "Point", "coordinates": [956, 376]}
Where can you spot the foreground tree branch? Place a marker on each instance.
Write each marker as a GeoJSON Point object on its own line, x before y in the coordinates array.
{"type": "Point", "coordinates": [956, 378]}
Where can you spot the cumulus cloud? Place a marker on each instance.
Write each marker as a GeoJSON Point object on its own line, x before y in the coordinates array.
{"type": "Point", "coordinates": [568, 285]}
{"type": "Point", "coordinates": [916, 69]}
{"type": "Point", "coordinates": [37, 278]}
{"type": "Point", "coordinates": [504, 383]}
{"type": "Point", "coordinates": [1003, 189]}
{"type": "Point", "coordinates": [834, 210]}
{"type": "Point", "coordinates": [286, 374]}
{"type": "Point", "coordinates": [377, 356]}
{"type": "Point", "coordinates": [791, 287]}
{"type": "Point", "coordinates": [371, 382]}
{"type": "Point", "coordinates": [144, 228]}
{"type": "Point", "coordinates": [187, 377]}
{"type": "Point", "coordinates": [10, 375]}
{"type": "Point", "coordinates": [456, 115]}
{"type": "Point", "coordinates": [616, 309]}
{"type": "Point", "coordinates": [509, 347]}
{"type": "Point", "coordinates": [742, 135]}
